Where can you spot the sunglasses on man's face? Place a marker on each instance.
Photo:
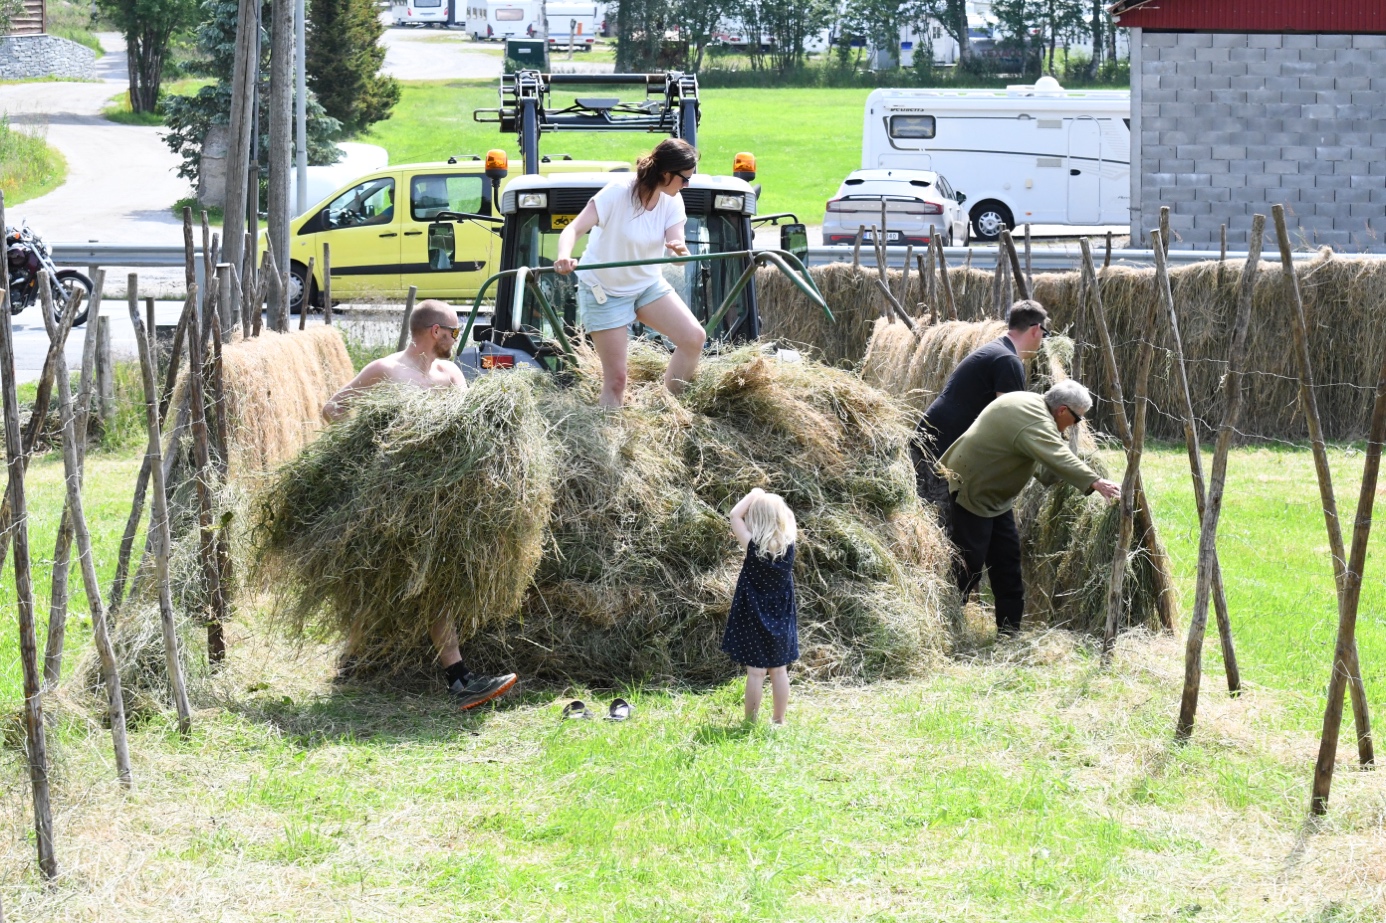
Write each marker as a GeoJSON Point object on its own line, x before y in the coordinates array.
{"type": "Point", "coordinates": [1077, 417]}
{"type": "Point", "coordinates": [1045, 333]}
{"type": "Point", "coordinates": [455, 331]}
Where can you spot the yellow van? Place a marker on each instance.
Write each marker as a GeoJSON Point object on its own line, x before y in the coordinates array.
{"type": "Point", "coordinates": [384, 237]}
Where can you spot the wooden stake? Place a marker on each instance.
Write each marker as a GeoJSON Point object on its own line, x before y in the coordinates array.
{"type": "Point", "coordinates": [997, 308]}
{"type": "Point", "coordinates": [1029, 275]}
{"type": "Point", "coordinates": [205, 473]}
{"type": "Point", "coordinates": [1144, 524]}
{"type": "Point", "coordinates": [105, 371]}
{"type": "Point", "coordinates": [16, 457]}
{"type": "Point", "coordinates": [1107, 260]}
{"type": "Point", "coordinates": [1208, 531]}
{"type": "Point", "coordinates": [1129, 482]}
{"type": "Point", "coordinates": [327, 284]}
{"type": "Point", "coordinates": [62, 550]}
{"type": "Point", "coordinates": [307, 287]}
{"type": "Point", "coordinates": [856, 247]}
{"type": "Point", "coordinates": [73, 450]}
{"type": "Point", "coordinates": [1166, 294]}
{"type": "Point", "coordinates": [905, 276]}
{"type": "Point", "coordinates": [1013, 260]}
{"type": "Point", "coordinates": [408, 314]}
{"type": "Point", "coordinates": [949, 301]}
{"type": "Point", "coordinates": [1164, 228]}
{"type": "Point", "coordinates": [926, 274]}
{"type": "Point", "coordinates": [159, 519]}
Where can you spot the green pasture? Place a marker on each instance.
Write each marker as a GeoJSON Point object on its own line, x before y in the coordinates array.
{"type": "Point", "coordinates": [1022, 783]}
{"type": "Point", "coordinates": [806, 141]}
{"type": "Point", "coordinates": [29, 167]}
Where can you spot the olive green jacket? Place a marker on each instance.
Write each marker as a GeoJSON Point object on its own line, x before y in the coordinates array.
{"type": "Point", "coordinates": [993, 461]}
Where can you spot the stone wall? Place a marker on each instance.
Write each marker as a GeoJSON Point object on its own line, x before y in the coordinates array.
{"type": "Point", "coordinates": [26, 56]}
{"type": "Point", "coordinates": [1225, 125]}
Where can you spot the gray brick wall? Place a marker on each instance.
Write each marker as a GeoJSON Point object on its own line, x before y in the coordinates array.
{"type": "Point", "coordinates": [1232, 124]}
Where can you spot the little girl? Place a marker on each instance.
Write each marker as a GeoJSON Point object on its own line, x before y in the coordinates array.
{"type": "Point", "coordinates": [762, 630]}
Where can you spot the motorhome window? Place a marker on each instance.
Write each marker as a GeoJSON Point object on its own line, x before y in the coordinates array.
{"type": "Point", "coordinates": [430, 194]}
{"type": "Point", "coordinates": [912, 126]}
{"type": "Point", "coordinates": [372, 202]}
{"type": "Point", "coordinates": [509, 15]}
{"type": "Point", "coordinates": [429, 4]}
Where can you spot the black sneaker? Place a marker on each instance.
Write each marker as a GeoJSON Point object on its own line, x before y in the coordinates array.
{"type": "Point", "coordinates": [480, 689]}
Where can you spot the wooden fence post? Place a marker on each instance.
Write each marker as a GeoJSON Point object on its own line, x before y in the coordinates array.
{"type": "Point", "coordinates": [1144, 523]}
{"type": "Point", "coordinates": [158, 519]}
{"type": "Point", "coordinates": [327, 284]}
{"type": "Point", "coordinates": [408, 315]}
{"type": "Point", "coordinates": [1164, 228]}
{"type": "Point", "coordinates": [1166, 294]}
{"type": "Point", "coordinates": [1212, 510]}
{"type": "Point", "coordinates": [947, 286]}
{"type": "Point", "coordinates": [202, 456]}
{"type": "Point", "coordinates": [16, 458]}
{"type": "Point", "coordinates": [1029, 275]}
{"type": "Point", "coordinates": [1013, 260]}
{"type": "Point", "coordinates": [307, 286]}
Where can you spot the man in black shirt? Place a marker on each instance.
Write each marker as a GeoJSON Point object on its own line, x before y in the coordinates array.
{"type": "Point", "coordinates": [988, 372]}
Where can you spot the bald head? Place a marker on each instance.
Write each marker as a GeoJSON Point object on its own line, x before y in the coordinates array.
{"type": "Point", "coordinates": [429, 312]}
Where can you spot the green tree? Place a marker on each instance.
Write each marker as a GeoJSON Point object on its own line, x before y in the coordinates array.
{"type": "Point", "coordinates": [951, 15]}
{"type": "Point", "coordinates": [148, 27]}
{"type": "Point", "coordinates": [880, 22]}
{"type": "Point", "coordinates": [696, 21]}
{"type": "Point", "coordinates": [344, 59]}
{"type": "Point", "coordinates": [189, 118]}
{"type": "Point", "coordinates": [789, 23]}
{"type": "Point", "coordinates": [640, 29]}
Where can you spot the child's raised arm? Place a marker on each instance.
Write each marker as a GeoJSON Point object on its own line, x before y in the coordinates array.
{"type": "Point", "coordinates": [738, 518]}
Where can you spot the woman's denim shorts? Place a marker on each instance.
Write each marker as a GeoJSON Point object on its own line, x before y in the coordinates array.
{"type": "Point", "coordinates": [619, 310]}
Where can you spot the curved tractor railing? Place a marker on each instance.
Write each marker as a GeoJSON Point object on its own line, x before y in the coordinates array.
{"type": "Point", "coordinates": [527, 278]}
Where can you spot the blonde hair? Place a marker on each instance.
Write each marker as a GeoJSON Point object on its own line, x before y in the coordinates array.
{"type": "Point", "coordinates": [771, 524]}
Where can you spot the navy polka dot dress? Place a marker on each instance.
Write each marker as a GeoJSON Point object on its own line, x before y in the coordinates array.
{"type": "Point", "coordinates": [763, 628]}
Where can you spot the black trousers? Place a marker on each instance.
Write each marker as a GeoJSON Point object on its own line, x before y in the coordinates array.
{"type": "Point", "coordinates": [991, 543]}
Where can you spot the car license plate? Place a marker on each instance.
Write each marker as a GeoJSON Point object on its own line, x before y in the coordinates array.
{"type": "Point", "coordinates": [559, 222]}
{"type": "Point", "coordinates": [890, 236]}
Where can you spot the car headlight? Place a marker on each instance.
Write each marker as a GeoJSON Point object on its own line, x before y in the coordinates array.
{"type": "Point", "coordinates": [729, 203]}
{"type": "Point", "coordinates": [534, 200]}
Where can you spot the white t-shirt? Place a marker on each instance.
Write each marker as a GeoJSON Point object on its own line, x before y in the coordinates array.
{"type": "Point", "coordinates": [627, 231]}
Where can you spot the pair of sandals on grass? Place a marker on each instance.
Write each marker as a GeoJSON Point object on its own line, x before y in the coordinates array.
{"type": "Point", "coordinates": [620, 710]}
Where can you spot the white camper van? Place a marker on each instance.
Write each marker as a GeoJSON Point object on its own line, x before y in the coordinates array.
{"type": "Point", "coordinates": [420, 12]}
{"type": "Point", "coordinates": [502, 19]}
{"type": "Point", "coordinates": [1038, 154]}
{"type": "Point", "coordinates": [577, 24]}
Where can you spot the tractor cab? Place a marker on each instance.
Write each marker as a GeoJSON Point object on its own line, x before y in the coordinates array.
{"type": "Point", "coordinates": [534, 317]}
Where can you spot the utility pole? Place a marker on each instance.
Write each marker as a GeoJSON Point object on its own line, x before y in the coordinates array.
{"type": "Point", "coordinates": [280, 141]}
{"type": "Point", "coordinates": [301, 106]}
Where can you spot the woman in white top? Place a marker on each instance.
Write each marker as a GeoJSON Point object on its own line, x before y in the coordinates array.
{"type": "Point", "coordinates": [635, 217]}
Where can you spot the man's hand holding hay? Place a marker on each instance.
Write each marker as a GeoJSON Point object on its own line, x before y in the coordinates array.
{"type": "Point", "coordinates": [427, 363]}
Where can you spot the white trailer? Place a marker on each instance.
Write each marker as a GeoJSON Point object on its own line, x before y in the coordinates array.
{"type": "Point", "coordinates": [577, 24]}
{"type": "Point", "coordinates": [502, 19]}
{"type": "Point", "coordinates": [420, 12]}
{"type": "Point", "coordinates": [1027, 154]}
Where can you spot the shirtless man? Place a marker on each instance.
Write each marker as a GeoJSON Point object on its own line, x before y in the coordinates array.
{"type": "Point", "coordinates": [427, 363]}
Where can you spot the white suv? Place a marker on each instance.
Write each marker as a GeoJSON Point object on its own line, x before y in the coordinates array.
{"type": "Point", "coordinates": [915, 201]}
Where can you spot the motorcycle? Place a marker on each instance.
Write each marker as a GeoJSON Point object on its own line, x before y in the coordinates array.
{"type": "Point", "coordinates": [26, 255]}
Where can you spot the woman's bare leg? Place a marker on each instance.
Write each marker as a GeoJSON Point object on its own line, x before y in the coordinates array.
{"type": "Point", "coordinates": [671, 317]}
{"type": "Point", "coordinates": [779, 693]}
{"type": "Point", "coordinates": [755, 691]}
{"type": "Point", "coordinates": [611, 349]}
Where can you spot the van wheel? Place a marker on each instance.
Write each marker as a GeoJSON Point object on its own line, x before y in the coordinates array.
{"type": "Point", "coordinates": [298, 284]}
{"type": "Point", "coordinates": [989, 217]}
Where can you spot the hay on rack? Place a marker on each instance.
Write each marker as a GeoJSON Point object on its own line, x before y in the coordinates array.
{"type": "Point", "coordinates": [638, 569]}
{"type": "Point", "coordinates": [276, 384]}
{"type": "Point", "coordinates": [1067, 539]}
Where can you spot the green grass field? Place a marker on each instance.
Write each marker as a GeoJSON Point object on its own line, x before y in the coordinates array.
{"type": "Point", "coordinates": [798, 167]}
{"type": "Point", "coordinates": [1024, 782]}
{"type": "Point", "coordinates": [29, 167]}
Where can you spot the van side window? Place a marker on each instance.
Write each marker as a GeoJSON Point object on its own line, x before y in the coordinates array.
{"type": "Point", "coordinates": [372, 202]}
{"type": "Point", "coordinates": [430, 194]}
{"type": "Point", "coordinates": [912, 126]}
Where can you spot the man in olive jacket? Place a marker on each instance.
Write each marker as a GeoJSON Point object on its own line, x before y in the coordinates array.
{"type": "Point", "coordinates": [1018, 436]}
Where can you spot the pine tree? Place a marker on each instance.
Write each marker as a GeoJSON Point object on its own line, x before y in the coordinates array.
{"type": "Point", "coordinates": [189, 118]}
{"type": "Point", "coordinates": [344, 59]}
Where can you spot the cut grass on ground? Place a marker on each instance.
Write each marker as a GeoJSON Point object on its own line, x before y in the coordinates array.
{"type": "Point", "coordinates": [1019, 783]}
{"type": "Point", "coordinates": [29, 168]}
{"type": "Point", "coordinates": [798, 170]}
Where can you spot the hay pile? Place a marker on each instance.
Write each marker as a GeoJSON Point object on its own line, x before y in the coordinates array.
{"type": "Point", "coordinates": [915, 368]}
{"type": "Point", "coordinates": [619, 561]}
{"type": "Point", "coordinates": [276, 384]}
{"type": "Point", "coordinates": [1344, 302]}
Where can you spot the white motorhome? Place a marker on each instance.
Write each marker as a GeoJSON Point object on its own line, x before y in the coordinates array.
{"type": "Point", "coordinates": [577, 24]}
{"type": "Point", "coordinates": [419, 12]}
{"type": "Point", "coordinates": [1027, 154]}
{"type": "Point", "coordinates": [502, 19]}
